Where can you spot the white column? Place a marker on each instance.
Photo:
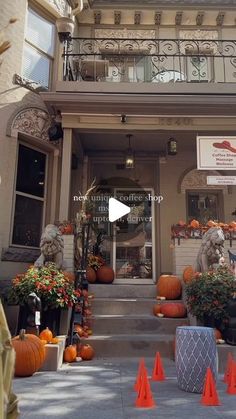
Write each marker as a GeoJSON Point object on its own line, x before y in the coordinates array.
{"type": "Point", "coordinates": [54, 187]}
{"type": "Point", "coordinates": [65, 175]}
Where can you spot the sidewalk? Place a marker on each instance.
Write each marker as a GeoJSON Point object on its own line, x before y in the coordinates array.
{"type": "Point", "coordinates": [103, 389]}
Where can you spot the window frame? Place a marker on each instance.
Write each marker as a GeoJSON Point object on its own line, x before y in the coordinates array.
{"type": "Point", "coordinates": [37, 198]}
{"type": "Point", "coordinates": [51, 58]}
{"type": "Point", "coordinates": [220, 197]}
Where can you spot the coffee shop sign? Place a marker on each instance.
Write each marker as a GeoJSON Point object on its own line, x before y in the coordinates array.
{"type": "Point", "coordinates": [216, 153]}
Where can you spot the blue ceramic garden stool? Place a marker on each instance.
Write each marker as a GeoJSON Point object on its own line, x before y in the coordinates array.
{"type": "Point", "coordinates": [195, 352]}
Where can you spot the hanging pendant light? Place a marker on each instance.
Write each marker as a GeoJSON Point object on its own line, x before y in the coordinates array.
{"type": "Point", "coordinates": [129, 157]}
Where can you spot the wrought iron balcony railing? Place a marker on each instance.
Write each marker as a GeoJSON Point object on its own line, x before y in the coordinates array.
{"type": "Point", "coordinates": [150, 60]}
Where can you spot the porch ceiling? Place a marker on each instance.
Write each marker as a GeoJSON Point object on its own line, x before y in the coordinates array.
{"type": "Point", "coordinates": [141, 142]}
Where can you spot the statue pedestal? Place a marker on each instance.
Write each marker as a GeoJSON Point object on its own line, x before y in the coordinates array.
{"type": "Point", "coordinates": [54, 355]}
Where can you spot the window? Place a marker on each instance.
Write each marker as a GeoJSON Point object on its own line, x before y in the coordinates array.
{"type": "Point", "coordinates": [38, 48]}
{"type": "Point", "coordinates": [204, 206]}
{"type": "Point", "coordinates": [29, 197]}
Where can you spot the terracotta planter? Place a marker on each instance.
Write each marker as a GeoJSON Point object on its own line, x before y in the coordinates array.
{"type": "Point", "coordinates": [105, 274]}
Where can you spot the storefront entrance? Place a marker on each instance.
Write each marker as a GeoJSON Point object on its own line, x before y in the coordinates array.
{"type": "Point", "coordinates": [133, 238]}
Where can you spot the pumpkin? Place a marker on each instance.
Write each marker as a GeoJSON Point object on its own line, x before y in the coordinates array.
{"type": "Point", "coordinates": [174, 310]}
{"type": "Point", "coordinates": [169, 286]}
{"type": "Point", "coordinates": [188, 274]}
{"type": "Point", "coordinates": [87, 352]}
{"type": "Point", "coordinates": [91, 275]}
{"type": "Point", "coordinates": [44, 342]}
{"type": "Point", "coordinates": [55, 340]}
{"type": "Point", "coordinates": [70, 353]}
{"type": "Point", "coordinates": [67, 228]}
{"type": "Point", "coordinates": [70, 276]}
{"type": "Point", "coordinates": [232, 225]}
{"type": "Point", "coordinates": [46, 334]}
{"type": "Point", "coordinates": [30, 354]}
{"type": "Point", "coordinates": [156, 309]}
{"type": "Point", "coordinates": [79, 329]}
{"type": "Point", "coordinates": [211, 223]}
{"type": "Point", "coordinates": [218, 334]}
{"type": "Point", "coordinates": [105, 274]}
{"type": "Point", "coordinates": [194, 224]}
{"type": "Point", "coordinates": [181, 223]}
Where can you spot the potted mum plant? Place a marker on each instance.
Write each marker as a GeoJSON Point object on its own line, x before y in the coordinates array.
{"type": "Point", "coordinates": [52, 286]}
{"type": "Point", "coordinates": [208, 294]}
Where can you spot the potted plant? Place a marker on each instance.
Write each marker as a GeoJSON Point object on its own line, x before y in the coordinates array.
{"type": "Point", "coordinates": [208, 294]}
{"type": "Point", "coordinates": [52, 286]}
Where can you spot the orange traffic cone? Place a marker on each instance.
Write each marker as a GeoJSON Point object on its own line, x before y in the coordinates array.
{"type": "Point", "coordinates": [158, 373]}
{"type": "Point", "coordinates": [209, 394]}
{"type": "Point", "coordinates": [144, 398]}
{"type": "Point", "coordinates": [228, 368]}
{"type": "Point", "coordinates": [232, 379]}
{"type": "Point", "coordinates": [139, 374]}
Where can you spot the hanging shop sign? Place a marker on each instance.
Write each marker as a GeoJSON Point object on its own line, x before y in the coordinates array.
{"type": "Point", "coordinates": [217, 153]}
{"type": "Point", "coordinates": [221, 180]}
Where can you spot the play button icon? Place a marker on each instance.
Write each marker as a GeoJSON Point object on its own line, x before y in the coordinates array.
{"type": "Point", "coordinates": [117, 209]}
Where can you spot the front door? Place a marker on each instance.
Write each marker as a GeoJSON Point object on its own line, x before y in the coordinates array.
{"type": "Point", "coordinates": [133, 245]}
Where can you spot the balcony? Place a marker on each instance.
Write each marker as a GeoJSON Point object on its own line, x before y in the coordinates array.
{"type": "Point", "coordinates": [149, 60]}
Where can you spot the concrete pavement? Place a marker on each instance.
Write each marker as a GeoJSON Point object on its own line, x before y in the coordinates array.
{"type": "Point", "coordinates": [103, 389]}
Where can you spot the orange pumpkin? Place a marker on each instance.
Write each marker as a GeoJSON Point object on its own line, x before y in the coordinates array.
{"type": "Point", "coordinates": [218, 334]}
{"type": "Point", "coordinates": [232, 225]}
{"type": "Point", "coordinates": [46, 334]}
{"type": "Point", "coordinates": [188, 274]}
{"type": "Point", "coordinates": [211, 223]}
{"type": "Point", "coordinates": [194, 224]}
{"type": "Point", "coordinates": [87, 352]}
{"type": "Point", "coordinates": [30, 354]}
{"type": "Point", "coordinates": [44, 342]}
{"type": "Point", "coordinates": [105, 274]}
{"type": "Point", "coordinates": [174, 310]}
{"type": "Point", "coordinates": [67, 228]}
{"type": "Point", "coordinates": [70, 353]}
{"type": "Point", "coordinates": [55, 340]}
{"type": "Point", "coordinates": [156, 309]}
{"type": "Point", "coordinates": [91, 275]}
{"type": "Point", "coordinates": [169, 286]}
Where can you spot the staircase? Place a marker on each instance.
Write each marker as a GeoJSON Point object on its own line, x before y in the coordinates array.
{"type": "Point", "coordinates": [123, 323]}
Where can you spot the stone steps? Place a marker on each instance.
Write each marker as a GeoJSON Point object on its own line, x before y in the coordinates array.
{"type": "Point", "coordinates": [131, 345]}
{"type": "Point", "coordinates": [123, 323]}
{"type": "Point", "coordinates": [134, 324]}
{"type": "Point", "coordinates": [125, 305]}
{"type": "Point", "coordinates": [112, 291]}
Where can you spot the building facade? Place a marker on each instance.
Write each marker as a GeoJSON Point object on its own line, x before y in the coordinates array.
{"type": "Point", "coordinates": [132, 80]}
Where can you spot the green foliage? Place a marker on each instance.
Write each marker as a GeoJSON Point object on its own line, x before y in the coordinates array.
{"type": "Point", "coordinates": [209, 292]}
{"type": "Point", "coordinates": [50, 284]}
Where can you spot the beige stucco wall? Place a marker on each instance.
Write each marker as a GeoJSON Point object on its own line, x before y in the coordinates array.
{"type": "Point", "coordinates": [13, 98]}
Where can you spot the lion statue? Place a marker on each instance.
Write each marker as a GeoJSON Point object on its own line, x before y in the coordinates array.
{"type": "Point", "coordinates": [211, 250]}
{"type": "Point", "coordinates": [51, 245]}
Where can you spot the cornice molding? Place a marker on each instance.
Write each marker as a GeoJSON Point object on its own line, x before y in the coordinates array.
{"type": "Point", "coordinates": [111, 4]}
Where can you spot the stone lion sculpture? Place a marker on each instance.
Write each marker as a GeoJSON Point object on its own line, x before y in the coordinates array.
{"type": "Point", "coordinates": [211, 250]}
{"type": "Point", "coordinates": [51, 246]}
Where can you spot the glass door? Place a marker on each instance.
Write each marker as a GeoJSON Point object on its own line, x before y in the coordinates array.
{"type": "Point", "coordinates": [133, 245]}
